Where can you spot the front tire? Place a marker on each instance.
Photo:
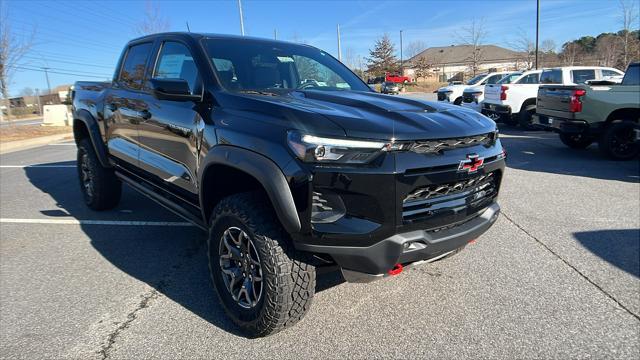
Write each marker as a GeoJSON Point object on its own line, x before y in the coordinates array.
{"type": "Point", "coordinates": [618, 141]}
{"type": "Point", "coordinates": [576, 141]}
{"type": "Point", "coordinates": [458, 101]}
{"type": "Point", "coordinates": [263, 283]}
{"type": "Point", "coordinates": [100, 186]}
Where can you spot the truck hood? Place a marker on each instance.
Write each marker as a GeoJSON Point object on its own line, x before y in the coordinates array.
{"type": "Point", "coordinates": [371, 115]}
{"type": "Point", "coordinates": [454, 88]}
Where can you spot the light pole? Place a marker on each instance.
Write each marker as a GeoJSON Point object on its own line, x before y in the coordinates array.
{"type": "Point", "coordinates": [537, 28]}
{"type": "Point", "coordinates": [401, 67]}
{"type": "Point", "coordinates": [241, 18]}
{"type": "Point", "coordinates": [46, 74]}
{"type": "Point", "coordinates": [339, 47]}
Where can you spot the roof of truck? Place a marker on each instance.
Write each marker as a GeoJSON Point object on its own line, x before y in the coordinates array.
{"type": "Point", "coordinates": [198, 36]}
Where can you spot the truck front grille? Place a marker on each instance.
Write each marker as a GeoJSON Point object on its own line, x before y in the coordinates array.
{"type": "Point", "coordinates": [453, 197]}
{"type": "Point", "coordinates": [435, 146]}
{"type": "Point", "coordinates": [442, 96]}
{"type": "Point", "coordinates": [467, 97]}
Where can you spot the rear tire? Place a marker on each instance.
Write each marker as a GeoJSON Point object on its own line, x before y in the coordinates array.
{"type": "Point", "coordinates": [284, 292]}
{"type": "Point", "coordinates": [525, 117]}
{"type": "Point", "coordinates": [576, 141]}
{"type": "Point", "coordinates": [100, 186]}
{"type": "Point", "coordinates": [618, 140]}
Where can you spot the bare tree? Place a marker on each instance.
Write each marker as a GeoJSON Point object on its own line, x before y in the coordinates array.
{"type": "Point", "coordinates": [422, 67]}
{"type": "Point", "coordinates": [12, 49]}
{"type": "Point", "coordinates": [547, 51]}
{"type": "Point", "coordinates": [474, 35]}
{"type": "Point", "coordinates": [607, 49]}
{"type": "Point", "coordinates": [26, 92]}
{"type": "Point", "coordinates": [570, 52]}
{"type": "Point", "coordinates": [525, 46]}
{"type": "Point", "coordinates": [153, 21]}
{"type": "Point", "coordinates": [414, 48]}
{"type": "Point", "coordinates": [628, 18]}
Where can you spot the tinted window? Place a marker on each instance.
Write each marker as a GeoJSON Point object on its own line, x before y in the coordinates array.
{"type": "Point", "coordinates": [581, 76]}
{"type": "Point", "coordinates": [606, 72]}
{"type": "Point", "coordinates": [175, 62]}
{"type": "Point", "coordinates": [509, 78]}
{"type": "Point", "coordinates": [268, 66]}
{"type": "Point", "coordinates": [493, 79]}
{"type": "Point", "coordinates": [132, 72]}
{"type": "Point", "coordinates": [551, 77]}
{"type": "Point", "coordinates": [530, 79]}
{"type": "Point", "coordinates": [476, 79]}
{"type": "Point", "coordinates": [632, 76]}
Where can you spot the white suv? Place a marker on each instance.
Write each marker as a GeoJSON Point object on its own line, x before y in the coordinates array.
{"type": "Point", "coordinates": [473, 96]}
{"type": "Point", "coordinates": [516, 103]}
{"type": "Point", "coordinates": [453, 93]}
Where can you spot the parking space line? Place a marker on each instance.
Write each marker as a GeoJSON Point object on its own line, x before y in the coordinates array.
{"type": "Point", "coordinates": [63, 144]}
{"type": "Point", "coordinates": [93, 222]}
{"type": "Point", "coordinates": [37, 166]}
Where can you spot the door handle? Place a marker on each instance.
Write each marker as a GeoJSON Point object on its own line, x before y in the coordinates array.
{"type": "Point", "coordinates": [144, 114]}
{"type": "Point", "coordinates": [112, 107]}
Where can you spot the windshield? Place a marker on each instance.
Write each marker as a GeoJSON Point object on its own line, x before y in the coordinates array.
{"type": "Point", "coordinates": [476, 79]}
{"type": "Point", "coordinates": [509, 78]}
{"type": "Point", "coordinates": [261, 66]}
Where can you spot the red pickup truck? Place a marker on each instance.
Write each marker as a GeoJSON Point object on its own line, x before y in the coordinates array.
{"type": "Point", "coordinates": [397, 78]}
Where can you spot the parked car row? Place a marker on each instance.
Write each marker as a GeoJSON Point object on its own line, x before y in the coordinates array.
{"type": "Point", "coordinates": [583, 104]}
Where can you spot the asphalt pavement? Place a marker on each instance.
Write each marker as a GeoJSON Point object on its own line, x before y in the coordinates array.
{"type": "Point", "coordinates": [558, 276]}
{"type": "Point", "coordinates": [35, 121]}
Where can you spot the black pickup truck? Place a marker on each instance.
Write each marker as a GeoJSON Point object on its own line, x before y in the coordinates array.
{"type": "Point", "coordinates": [289, 161]}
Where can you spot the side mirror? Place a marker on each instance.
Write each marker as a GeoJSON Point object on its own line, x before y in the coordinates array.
{"type": "Point", "coordinates": [172, 89]}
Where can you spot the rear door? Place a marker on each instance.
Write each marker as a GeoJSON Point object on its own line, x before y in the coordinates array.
{"type": "Point", "coordinates": [170, 131]}
{"type": "Point", "coordinates": [123, 105]}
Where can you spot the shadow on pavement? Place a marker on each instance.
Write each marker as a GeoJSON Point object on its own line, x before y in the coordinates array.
{"type": "Point", "coordinates": [171, 259]}
{"type": "Point", "coordinates": [542, 151]}
{"type": "Point", "coordinates": [620, 248]}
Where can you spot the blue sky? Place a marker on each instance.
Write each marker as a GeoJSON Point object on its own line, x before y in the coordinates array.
{"type": "Point", "coordinates": [85, 37]}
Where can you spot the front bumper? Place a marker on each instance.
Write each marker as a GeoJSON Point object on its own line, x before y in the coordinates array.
{"type": "Point", "coordinates": [361, 264]}
{"type": "Point", "coordinates": [473, 106]}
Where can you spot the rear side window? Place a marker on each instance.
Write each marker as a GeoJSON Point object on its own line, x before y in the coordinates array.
{"type": "Point", "coordinates": [632, 76]}
{"type": "Point", "coordinates": [493, 79]}
{"type": "Point", "coordinates": [606, 72]}
{"type": "Point", "coordinates": [509, 78]}
{"type": "Point", "coordinates": [530, 79]}
{"type": "Point", "coordinates": [132, 72]}
{"type": "Point", "coordinates": [175, 62]}
{"type": "Point", "coordinates": [551, 77]}
{"type": "Point", "coordinates": [581, 76]}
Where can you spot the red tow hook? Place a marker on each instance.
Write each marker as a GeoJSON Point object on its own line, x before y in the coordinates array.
{"type": "Point", "coordinates": [397, 269]}
{"type": "Point", "coordinates": [472, 241]}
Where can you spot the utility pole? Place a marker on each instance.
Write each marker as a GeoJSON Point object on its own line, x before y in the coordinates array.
{"type": "Point", "coordinates": [188, 29]}
{"type": "Point", "coordinates": [46, 74]}
{"type": "Point", "coordinates": [401, 68]}
{"type": "Point", "coordinates": [275, 34]}
{"type": "Point", "coordinates": [537, 28]}
{"type": "Point", "coordinates": [39, 105]}
{"type": "Point", "coordinates": [339, 47]}
{"type": "Point", "coordinates": [241, 18]}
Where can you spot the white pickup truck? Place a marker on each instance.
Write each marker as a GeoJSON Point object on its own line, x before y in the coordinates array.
{"type": "Point", "coordinates": [472, 97]}
{"type": "Point", "coordinates": [453, 93]}
{"type": "Point", "coordinates": [516, 103]}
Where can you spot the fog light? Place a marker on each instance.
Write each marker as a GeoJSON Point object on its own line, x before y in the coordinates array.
{"type": "Point", "coordinates": [326, 208]}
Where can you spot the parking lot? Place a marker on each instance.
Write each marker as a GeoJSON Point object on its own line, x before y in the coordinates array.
{"type": "Point", "coordinates": [556, 277]}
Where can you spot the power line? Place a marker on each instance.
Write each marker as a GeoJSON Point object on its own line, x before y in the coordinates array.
{"type": "Point", "coordinates": [68, 62]}
{"type": "Point", "coordinates": [60, 69]}
{"type": "Point", "coordinates": [59, 73]}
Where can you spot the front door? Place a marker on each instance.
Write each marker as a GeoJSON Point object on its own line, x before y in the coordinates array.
{"type": "Point", "coordinates": [169, 132]}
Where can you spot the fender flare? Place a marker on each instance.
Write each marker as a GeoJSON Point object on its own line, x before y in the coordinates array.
{"type": "Point", "coordinates": [94, 134]}
{"type": "Point", "coordinates": [262, 169]}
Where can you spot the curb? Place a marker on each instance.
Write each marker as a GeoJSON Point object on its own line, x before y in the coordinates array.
{"type": "Point", "coordinates": [11, 146]}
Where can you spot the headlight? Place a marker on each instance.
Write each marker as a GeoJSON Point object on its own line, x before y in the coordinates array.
{"type": "Point", "coordinates": [310, 148]}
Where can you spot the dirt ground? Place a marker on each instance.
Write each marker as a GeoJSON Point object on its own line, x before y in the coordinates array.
{"type": "Point", "coordinates": [23, 132]}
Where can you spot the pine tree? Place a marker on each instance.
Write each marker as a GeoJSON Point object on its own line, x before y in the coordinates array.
{"type": "Point", "coordinates": [382, 57]}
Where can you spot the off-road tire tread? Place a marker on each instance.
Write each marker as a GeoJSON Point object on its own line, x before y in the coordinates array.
{"type": "Point", "coordinates": [107, 188]}
{"type": "Point", "coordinates": [289, 297]}
{"type": "Point", "coordinates": [604, 142]}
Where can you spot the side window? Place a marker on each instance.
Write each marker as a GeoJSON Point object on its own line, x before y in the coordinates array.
{"type": "Point", "coordinates": [581, 76]}
{"type": "Point", "coordinates": [175, 62]}
{"type": "Point", "coordinates": [551, 77]}
{"type": "Point", "coordinates": [530, 79]}
{"type": "Point", "coordinates": [606, 72]}
{"type": "Point", "coordinates": [632, 76]}
{"type": "Point", "coordinates": [494, 79]}
{"type": "Point", "coordinates": [132, 71]}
